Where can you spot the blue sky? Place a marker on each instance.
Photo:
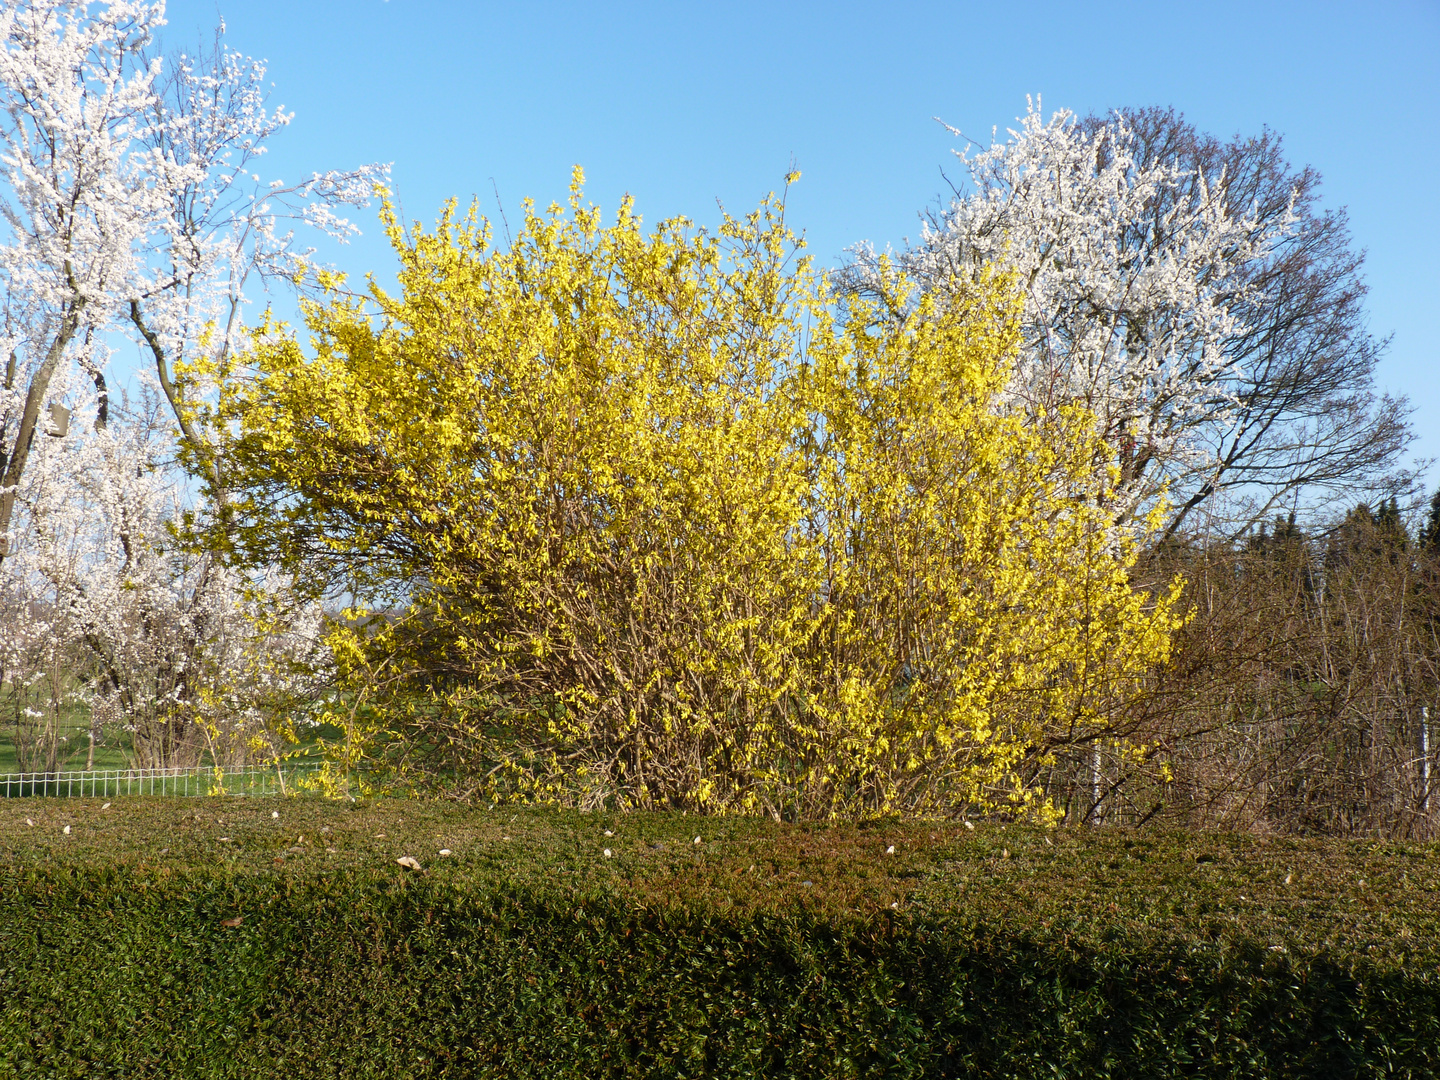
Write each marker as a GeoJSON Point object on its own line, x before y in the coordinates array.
{"type": "Point", "coordinates": [681, 104]}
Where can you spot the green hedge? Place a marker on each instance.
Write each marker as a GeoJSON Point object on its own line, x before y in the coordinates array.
{"type": "Point", "coordinates": [764, 951]}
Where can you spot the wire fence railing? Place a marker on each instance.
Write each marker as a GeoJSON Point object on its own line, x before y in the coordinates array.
{"type": "Point", "coordinates": [282, 779]}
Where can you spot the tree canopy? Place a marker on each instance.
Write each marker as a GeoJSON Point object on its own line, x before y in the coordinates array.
{"type": "Point", "coordinates": [1192, 294]}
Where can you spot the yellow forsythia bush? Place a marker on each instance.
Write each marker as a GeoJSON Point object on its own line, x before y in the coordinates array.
{"type": "Point", "coordinates": [649, 519]}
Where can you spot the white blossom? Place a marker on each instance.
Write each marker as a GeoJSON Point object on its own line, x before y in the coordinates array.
{"type": "Point", "coordinates": [131, 202]}
{"type": "Point", "coordinates": [1131, 275]}
{"type": "Point", "coordinates": [185, 655]}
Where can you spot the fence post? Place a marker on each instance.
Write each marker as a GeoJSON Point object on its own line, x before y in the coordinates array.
{"type": "Point", "coordinates": [1424, 759]}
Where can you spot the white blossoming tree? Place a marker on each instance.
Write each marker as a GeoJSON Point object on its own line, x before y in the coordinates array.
{"type": "Point", "coordinates": [184, 658]}
{"type": "Point", "coordinates": [129, 205]}
{"type": "Point", "coordinates": [1188, 292]}
{"type": "Point", "coordinates": [128, 202]}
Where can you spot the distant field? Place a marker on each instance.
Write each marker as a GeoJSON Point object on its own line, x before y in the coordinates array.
{"type": "Point", "coordinates": [107, 755]}
{"type": "Point", "coordinates": [73, 727]}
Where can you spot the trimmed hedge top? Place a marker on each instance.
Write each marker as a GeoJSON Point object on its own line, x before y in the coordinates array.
{"type": "Point", "coordinates": [1091, 887]}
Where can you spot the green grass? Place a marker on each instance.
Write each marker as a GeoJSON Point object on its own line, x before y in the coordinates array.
{"type": "Point", "coordinates": [108, 755]}
{"type": "Point", "coordinates": [113, 751]}
{"type": "Point", "coordinates": [74, 725]}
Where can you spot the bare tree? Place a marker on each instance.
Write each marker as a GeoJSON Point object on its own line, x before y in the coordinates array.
{"type": "Point", "coordinates": [1301, 694]}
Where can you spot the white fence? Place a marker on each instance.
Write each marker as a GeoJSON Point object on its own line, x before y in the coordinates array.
{"type": "Point", "coordinates": [107, 783]}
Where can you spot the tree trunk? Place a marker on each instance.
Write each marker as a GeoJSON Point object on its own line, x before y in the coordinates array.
{"type": "Point", "coordinates": [30, 418]}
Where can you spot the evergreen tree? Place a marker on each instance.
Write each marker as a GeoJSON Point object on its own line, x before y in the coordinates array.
{"type": "Point", "coordinates": [1390, 529]}
{"type": "Point", "coordinates": [1430, 531]}
{"type": "Point", "coordinates": [1365, 535]}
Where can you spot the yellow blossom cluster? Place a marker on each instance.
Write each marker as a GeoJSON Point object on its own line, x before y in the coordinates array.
{"type": "Point", "coordinates": [651, 519]}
